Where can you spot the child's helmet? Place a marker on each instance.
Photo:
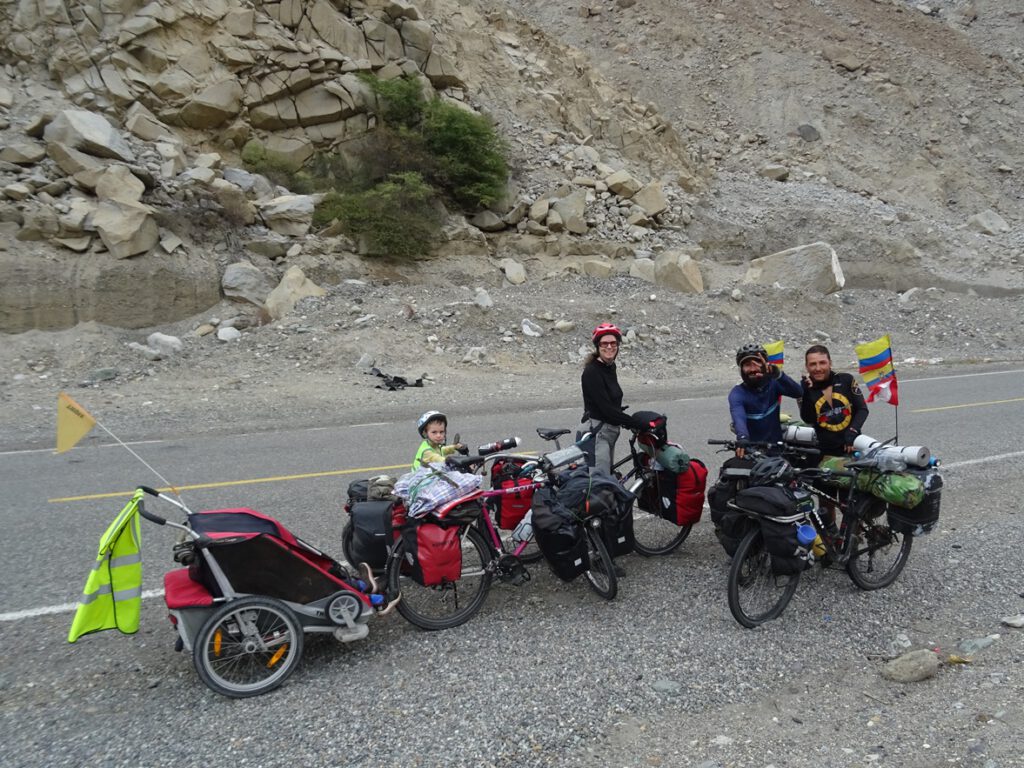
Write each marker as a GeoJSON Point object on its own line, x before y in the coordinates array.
{"type": "Point", "coordinates": [426, 418]}
{"type": "Point", "coordinates": [603, 330]}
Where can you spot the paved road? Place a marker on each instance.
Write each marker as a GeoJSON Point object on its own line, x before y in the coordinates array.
{"type": "Point", "coordinates": [134, 701]}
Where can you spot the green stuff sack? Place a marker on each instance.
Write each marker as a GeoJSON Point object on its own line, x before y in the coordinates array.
{"type": "Point", "coordinates": [901, 489]}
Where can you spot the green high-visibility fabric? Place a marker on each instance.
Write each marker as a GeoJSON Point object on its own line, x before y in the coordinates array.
{"type": "Point", "coordinates": [112, 597]}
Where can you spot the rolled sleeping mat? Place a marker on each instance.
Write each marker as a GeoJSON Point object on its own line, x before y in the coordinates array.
{"type": "Point", "coordinates": [863, 443]}
{"type": "Point", "coordinates": [800, 435]}
{"type": "Point", "coordinates": [914, 455]}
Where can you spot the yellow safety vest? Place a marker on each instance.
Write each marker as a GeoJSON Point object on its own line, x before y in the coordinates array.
{"type": "Point", "coordinates": [112, 598]}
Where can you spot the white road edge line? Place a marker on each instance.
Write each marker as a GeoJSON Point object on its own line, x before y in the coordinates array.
{"type": "Point", "coordinates": [46, 610]}
{"type": "Point", "coordinates": [982, 460]}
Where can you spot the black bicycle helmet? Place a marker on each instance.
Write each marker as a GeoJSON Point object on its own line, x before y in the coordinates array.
{"type": "Point", "coordinates": [751, 350]}
{"type": "Point", "coordinates": [426, 418]}
{"type": "Point", "coordinates": [770, 470]}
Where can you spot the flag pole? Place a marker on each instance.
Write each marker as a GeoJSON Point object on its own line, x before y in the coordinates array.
{"type": "Point", "coordinates": [142, 460]}
{"type": "Point", "coordinates": [896, 415]}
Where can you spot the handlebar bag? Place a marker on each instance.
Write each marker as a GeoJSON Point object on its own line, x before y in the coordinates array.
{"type": "Point", "coordinates": [510, 508]}
{"type": "Point", "coordinates": [433, 552]}
{"type": "Point", "coordinates": [559, 536]}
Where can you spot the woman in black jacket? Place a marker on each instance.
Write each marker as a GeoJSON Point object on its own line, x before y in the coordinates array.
{"type": "Point", "coordinates": [602, 396]}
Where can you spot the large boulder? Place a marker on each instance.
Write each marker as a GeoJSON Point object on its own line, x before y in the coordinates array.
{"type": "Point", "coordinates": [88, 132]}
{"type": "Point", "coordinates": [814, 267]}
{"type": "Point", "coordinates": [245, 282]}
{"type": "Point", "coordinates": [293, 287]}
{"type": "Point", "coordinates": [678, 270]}
{"type": "Point", "coordinates": [127, 229]}
{"type": "Point", "coordinates": [289, 215]}
{"type": "Point", "coordinates": [214, 105]}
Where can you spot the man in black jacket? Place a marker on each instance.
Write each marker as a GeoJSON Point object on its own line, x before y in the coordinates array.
{"type": "Point", "coordinates": [832, 402]}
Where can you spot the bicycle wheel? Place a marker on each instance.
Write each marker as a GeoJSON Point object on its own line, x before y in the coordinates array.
{"type": "Point", "coordinates": [879, 552]}
{"type": "Point", "coordinates": [756, 594]}
{"type": "Point", "coordinates": [448, 605]}
{"type": "Point", "coordinates": [248, 646]}
{"type": "Point", "coordinates": [601, 571]}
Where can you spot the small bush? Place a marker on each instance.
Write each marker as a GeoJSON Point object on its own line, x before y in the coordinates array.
{"type": "Point", "coordinates": [398, 217]}
{"type": "Point", "coordinates": [469, 155]}
{"type": "Point", "coordinates": [401, 100]}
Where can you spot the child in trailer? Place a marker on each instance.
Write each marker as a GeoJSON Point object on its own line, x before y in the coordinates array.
{"type": "Point", "coordinates": [433, 428]}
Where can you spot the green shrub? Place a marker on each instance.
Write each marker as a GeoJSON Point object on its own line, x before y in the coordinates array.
{"type": "Point", "coordinates": [401, 100]}
{"type": "Point", "coordinates": [398, 217]}
{"type": "Point", "coordinates": [469, 155]}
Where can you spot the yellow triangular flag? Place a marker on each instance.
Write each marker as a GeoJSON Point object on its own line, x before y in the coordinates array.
{"type": "Point", "coordinates": [73, 423]}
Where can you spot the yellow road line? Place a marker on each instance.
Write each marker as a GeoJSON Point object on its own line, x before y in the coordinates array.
{"type": "Point", "coordinates": [229, 483]}
{"type": "Point", "coordinates": [968, 405]}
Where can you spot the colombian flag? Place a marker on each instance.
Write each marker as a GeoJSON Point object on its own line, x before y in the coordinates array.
{"type": "Point", "coordinates": [875, 360]}
{"type": "Point", "coordinates": [776, 354]}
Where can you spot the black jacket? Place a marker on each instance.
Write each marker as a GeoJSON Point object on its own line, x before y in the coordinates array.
{"type": "Point", "coordinates": [837, 423]}
{"type": "Point", "coordinates": [602, 395]}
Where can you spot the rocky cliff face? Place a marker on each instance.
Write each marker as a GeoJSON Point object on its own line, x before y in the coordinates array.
{"type": "Point", "coordinates": [633, 149]}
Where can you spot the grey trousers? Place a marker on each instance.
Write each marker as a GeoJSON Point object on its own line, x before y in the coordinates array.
{"type": "Point", "coordinates": [604, 446]}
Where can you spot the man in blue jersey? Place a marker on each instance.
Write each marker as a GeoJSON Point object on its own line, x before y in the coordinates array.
{"type": "Point", "coordinates": [754, 403]}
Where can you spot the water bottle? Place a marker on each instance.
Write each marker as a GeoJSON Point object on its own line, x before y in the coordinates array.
{"type": "Point", "coordinates": [524, 530]}
{"type": "Point", "coordinates": [501, 445]}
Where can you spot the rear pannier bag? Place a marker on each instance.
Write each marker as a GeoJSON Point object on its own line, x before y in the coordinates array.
{"type": "Point", "coordinates": [509, 508]}
{"type": "Point", "coordinates": [678, 498]}
{"type": "Point", "coordinates": [903, 489]}
{"type": "Point", "coordinates": [433, 552]}
{"type": "Point", "coordinates": [923, 517]}
{"type": "Point", "coordinates": [559, 536]}
{"type": "Point", "coordinates": [617, 534]}
{"type": "Point", "coordinates": [372, 532]}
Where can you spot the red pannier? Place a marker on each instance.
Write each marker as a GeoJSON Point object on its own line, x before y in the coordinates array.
{"type": "Point", "coordinates": [676, 497]}
{"type": "Point", "coordinates": [509, 508]}
{"type": "Point", "coordinates": [433, 552]}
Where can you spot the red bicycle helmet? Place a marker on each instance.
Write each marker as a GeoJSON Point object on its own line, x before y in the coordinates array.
{"type": "Point", "coordinates": [603, 330]}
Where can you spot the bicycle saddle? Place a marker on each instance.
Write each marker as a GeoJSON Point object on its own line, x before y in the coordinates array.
{"type": "Point", "coordinates": [551, 434]}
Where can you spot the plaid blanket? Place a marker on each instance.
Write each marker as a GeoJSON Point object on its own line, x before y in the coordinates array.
{"type": "Point", "coordinates": [433, 486]}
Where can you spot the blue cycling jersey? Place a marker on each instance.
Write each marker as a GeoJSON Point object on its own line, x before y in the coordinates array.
{"type": "Point", "coordinates": [755, 412]}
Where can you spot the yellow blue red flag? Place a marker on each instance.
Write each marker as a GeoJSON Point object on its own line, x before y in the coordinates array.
{"type": "Point", "coordinates": [776, 352]}
{"type": "Point", "coordinates": [875, 363]}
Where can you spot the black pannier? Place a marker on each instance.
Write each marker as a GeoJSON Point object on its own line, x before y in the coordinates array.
{"type": "Point", "coordinates": [357, 491]}
{"type": "Point", "coordinates": [617, 534]}
{"type": "Point", "coordinates": [779, 518]}
{"type": "Point", "coordinates": [923, 517]}
{"type": "Point", "coordinates": [372, 532]}
{"type": "Point", "coordinates": [559, 536]}
{"type": "Point", "coordinates": [730, 525]}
